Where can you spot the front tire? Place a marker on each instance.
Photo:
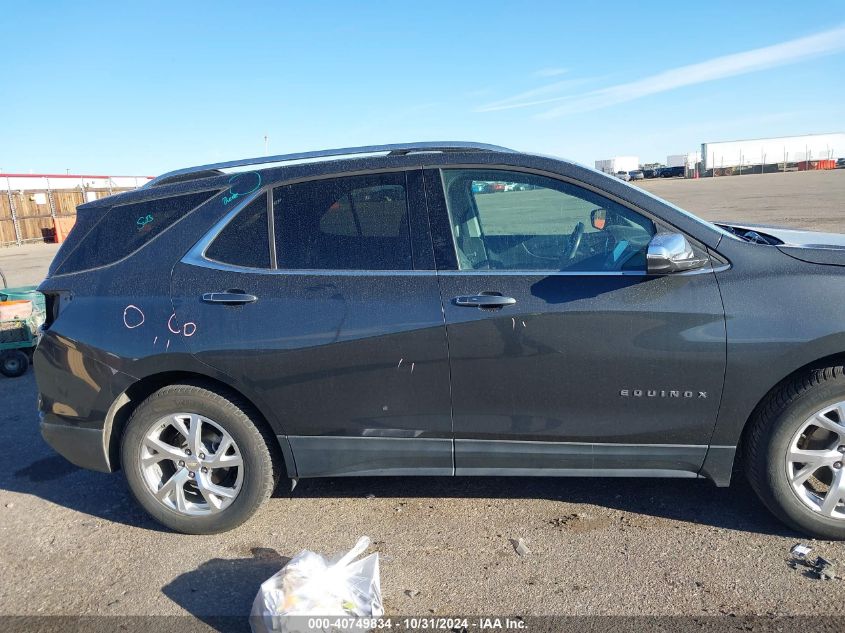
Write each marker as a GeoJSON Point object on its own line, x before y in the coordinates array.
{"type": "Point", "coordinates": [196, 461]}
{"type": "Point", "coordinates": [795, 453]}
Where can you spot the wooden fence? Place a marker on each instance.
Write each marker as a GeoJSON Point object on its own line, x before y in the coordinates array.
{"type": "Point", "coordinates": [28, 216]}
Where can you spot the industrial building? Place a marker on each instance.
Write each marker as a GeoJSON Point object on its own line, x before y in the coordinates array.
{"type": "Point", "coordinates": [32, 182]}
{"type": "Point", "coordinates": [811, 151]}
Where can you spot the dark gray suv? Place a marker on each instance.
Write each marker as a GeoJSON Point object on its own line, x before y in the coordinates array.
{"type": "Point", "coordinates": [370, 311]}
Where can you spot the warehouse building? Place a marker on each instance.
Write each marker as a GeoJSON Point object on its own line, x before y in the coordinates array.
{"type": "Point", "coordinates": [811, 151]}
{"type": "Point", "coordinates": [33, 182]}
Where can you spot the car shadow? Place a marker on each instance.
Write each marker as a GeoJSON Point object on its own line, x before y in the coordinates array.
{"type": "Point", "coordinates": [33, 468]}
{"type": "Point", "coordinates": [684, 500]}
{"type": "Point", "coordinates": [220, 591]}
{"type": "Point", "coordinates": [101, 495]}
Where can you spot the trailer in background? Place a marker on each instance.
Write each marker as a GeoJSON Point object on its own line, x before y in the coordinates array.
{"type": "Point", "coordinates": [689, 160]}
{"type": "Point", "coordinates": [618, 163]}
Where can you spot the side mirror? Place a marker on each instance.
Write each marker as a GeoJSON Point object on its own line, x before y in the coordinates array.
{"type": "Point", "coordinates": [598, 218]}
{"type": "Point", "coordinates": [671, 253]}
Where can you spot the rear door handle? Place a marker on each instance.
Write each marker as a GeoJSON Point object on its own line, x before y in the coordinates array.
{"type": "Point", "coordinates": [228, 298]}
{"type": "Point", "coordinates": [484, 301]}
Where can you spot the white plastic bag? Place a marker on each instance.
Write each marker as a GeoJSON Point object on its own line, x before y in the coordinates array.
{"type": "Point", "coordinates": [309, 585]}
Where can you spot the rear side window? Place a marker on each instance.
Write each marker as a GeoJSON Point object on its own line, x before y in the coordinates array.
{"type": "Point", "coordinates": [125, 228]}
{"type": "Point", "coordinates": [349, 223]}
{"type": "Point", "coordinates": [245, 241]}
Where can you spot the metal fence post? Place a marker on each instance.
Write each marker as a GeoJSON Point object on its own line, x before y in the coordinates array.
{"type": "Point", "coordinates": [50, 199]}
{"type": "Point", "coordinates": [14, 211]}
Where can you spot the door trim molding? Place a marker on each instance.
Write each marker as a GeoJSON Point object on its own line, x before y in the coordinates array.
{"type": "Point", "coordinates": [363, 456]}
{"type": "Point", "coordinates": [573, 459]}
{"type": "Point", "coordinates": [343, 456]}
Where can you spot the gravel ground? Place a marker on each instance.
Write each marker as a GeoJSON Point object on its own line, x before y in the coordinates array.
{"type": "Point", "coordinates": [72, 542]}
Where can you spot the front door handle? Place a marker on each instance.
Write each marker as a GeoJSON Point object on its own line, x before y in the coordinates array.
{"type": "Point", "coordinates": [228, 298]}
{"type": "Point", "coordinates": [484, 301]}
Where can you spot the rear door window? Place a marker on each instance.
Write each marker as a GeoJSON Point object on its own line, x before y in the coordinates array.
{"type": "Point", "coordinates": [348, 223]}
{"type": "Point", "coordinates": [125, 228]}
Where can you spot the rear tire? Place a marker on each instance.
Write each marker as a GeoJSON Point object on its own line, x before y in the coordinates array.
{"type": "Point", "coordinates": [232, 470]}
{"type": "Point", "coordinates": [803, 420]}
{"type": "Point", "coordinates": [13, 363]}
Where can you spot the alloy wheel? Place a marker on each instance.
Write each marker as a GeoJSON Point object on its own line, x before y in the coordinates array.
{"type": "Point", "coordinates": [191, 464]}
{"type": "Point", "coordinates": [814, 461]}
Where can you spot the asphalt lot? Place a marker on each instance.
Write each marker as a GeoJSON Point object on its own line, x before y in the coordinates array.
{"type": "Point", "coordinates": [26, 265]}
{"type": "Point", "coordinates": [73, 542]}
{"type": "Point", "coordinates": [806, 200]}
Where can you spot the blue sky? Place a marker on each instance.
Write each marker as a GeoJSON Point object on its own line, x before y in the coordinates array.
{"type": "Point", "coordinates": [97, 87]}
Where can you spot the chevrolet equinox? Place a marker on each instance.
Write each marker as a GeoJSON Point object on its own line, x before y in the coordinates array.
{"type": "Point", "coordinates": [437, 309]}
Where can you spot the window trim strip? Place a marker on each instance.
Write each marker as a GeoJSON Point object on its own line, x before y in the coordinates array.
{"type": "Point", "coordinates": [271, 229]}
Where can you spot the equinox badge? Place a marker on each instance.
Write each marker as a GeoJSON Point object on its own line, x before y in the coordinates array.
{"type": "Point", "coordinates": [661, 393]}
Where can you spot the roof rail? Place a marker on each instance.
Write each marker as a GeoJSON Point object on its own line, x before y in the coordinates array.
{"type": "Point", "coordinates": [396, 149]}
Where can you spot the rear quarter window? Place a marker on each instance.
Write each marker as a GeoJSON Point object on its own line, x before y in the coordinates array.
{"type": "Point", "coordinates": [125, 228]}
{"type": "Point", "coordinates": [245, 241]}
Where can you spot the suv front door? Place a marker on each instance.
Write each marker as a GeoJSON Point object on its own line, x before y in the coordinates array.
{"type": "Point", "coordinates": [566, 357]}
{"type": "Point", "coordinates": [327, 313]}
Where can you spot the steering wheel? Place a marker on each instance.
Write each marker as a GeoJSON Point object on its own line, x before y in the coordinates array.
{"type": "Point", "coordinates": [574, 242]}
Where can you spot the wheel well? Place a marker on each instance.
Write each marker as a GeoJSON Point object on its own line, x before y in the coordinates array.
{"type": "Point", "coordinates": [820, 363]}
{"type": "Point", "coordinates": [128, 401]}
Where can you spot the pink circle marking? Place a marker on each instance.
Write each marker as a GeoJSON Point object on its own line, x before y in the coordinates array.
{"type": "Point", "coordinates": [126, 313]}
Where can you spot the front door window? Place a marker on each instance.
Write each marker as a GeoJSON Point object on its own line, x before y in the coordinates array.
{"type": "Point", "coordinates": [504, 220]}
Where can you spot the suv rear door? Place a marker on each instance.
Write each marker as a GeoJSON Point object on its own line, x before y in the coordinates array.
{"type": "Point", "coordinates": [319, 300]}
{"type": "Point", "coordinates": [565, 356]}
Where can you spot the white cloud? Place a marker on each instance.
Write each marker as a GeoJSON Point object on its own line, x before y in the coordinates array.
{"type": "Point", "coordinates": [530, 97]}
{"type": "Point", "coordinates": [550, 72]}
{"type": "Point", "coordinates": [789, 52]}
